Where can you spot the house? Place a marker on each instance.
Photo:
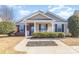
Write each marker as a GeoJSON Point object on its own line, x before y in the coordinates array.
{"type": "Point", "coordinates": [41, 22]}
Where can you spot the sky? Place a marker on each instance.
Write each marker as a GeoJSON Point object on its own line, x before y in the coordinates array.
{"type": "Point", "coordinates": [62, 10]}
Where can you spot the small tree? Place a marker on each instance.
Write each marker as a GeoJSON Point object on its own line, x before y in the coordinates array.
{"type": "Point", "coordinates": [73, 25]}
{"type": "Point", "coordinates": [7, 27]}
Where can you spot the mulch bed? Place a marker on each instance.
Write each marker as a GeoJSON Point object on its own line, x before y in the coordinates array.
{"type": "Point", "coordinates": [41, 43]}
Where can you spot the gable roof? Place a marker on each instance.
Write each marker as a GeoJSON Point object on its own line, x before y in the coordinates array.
{"type": "Point", "coordinates": [48, 14]}
{"type": "Point", "coordinates": [56, 17]}
{"type": "Point", "coordinates": [39, 12]}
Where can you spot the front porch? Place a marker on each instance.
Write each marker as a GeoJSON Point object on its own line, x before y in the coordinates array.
{"type": "Point", "coordinates": [38, 27]}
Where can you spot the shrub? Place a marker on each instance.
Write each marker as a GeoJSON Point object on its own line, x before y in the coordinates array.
{"type": "Point", "coordinates": [61, 35]}
{"type": "Point", "coordinates": [39, 34]}
{"type": "Point", "coordinates": [52, 35]}
{"type": "Point", "coordinates": [7, 27]}
{"type": "Point", "coordinates": [48, 35]}
{"type": "Point", "coordinates": [44, 34]}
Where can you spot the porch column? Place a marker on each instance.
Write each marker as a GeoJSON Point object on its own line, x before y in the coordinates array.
{"type": "Point", "coordinates": [25, 30]}
{"type": "Point", "coordinates": [52, 26]}
{"type": "Point", "coordinates": [34, 26]}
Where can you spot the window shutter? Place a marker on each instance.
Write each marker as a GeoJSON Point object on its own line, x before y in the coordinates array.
{"type": "Point", "coordinates": [39, 27]}
{"type": "Point", "coordinates": [55, 27]}
{"type": "Point", "coordinates": [46, 27]}
{"type": "Point", "coordinates": [24, 28]}
{"type": "Point", "coordinates": [62, 27]}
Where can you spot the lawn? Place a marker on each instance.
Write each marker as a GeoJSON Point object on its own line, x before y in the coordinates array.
{"type": "Point", "coordinates": [7, 45]}
{"type": "Point", "coordinates": [71, 41]}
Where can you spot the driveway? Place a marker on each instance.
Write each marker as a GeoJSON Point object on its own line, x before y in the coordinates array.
{"type": "Point", "coordinates": [61, 48]}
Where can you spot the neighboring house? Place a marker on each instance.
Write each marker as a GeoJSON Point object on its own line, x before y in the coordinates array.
{"type": "Point", "coordinates": [41, 22]}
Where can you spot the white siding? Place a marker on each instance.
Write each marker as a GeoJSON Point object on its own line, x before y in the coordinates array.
{"type": "Point", "coordinates": [65, 25]}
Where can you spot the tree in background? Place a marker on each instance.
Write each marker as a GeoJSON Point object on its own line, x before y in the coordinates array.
{"type": "Point", "coordinates": [73, 25]}
{"type": "Point", "coordinates": [7, 27]}
{"type": "Point", "coordinates": [6, 13]}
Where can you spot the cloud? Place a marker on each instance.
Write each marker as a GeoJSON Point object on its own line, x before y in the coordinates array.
{"type": "Point", "coordinates": [19, 11]}
{"type": "Point", "coordinates": [61, 10]}
{"type": "Point", "coordinates": [65, 14]}
{"type": "Point", "coordinates": [24, 12]}
{"type": "Point", "coordinates": [54, 8]}
{"type": "Point", "coordinates": [17, 7]}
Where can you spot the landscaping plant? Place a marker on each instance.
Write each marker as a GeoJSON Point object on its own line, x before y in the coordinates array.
{"type": "Point", "coordinates": [7, 27]}
{"type": "Point", "coordinates": [48, 34]}
{"type": "Point", "coordinates": [73, 25]}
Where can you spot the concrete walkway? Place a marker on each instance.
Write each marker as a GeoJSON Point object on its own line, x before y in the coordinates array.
{"type": "Point", "coordinates": [60, 49]}
{"type": "Point", "coordinates": [76, 48]}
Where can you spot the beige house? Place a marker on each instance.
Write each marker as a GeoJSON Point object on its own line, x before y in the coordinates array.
{"type": "Point", "coordinates": [41, 22]}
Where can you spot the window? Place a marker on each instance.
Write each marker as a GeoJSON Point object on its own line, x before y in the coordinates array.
{"type": "Point", "coordinates": [32, 29]}
{"type": "Point", "coordinates": [59, 28]}
{"type": "Point", "coordinates": [21, 28]}
{"type": "Point", "coordinates": [43, 28]}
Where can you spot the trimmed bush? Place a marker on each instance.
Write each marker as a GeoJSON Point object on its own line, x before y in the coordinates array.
{"type": "Point", "coordinates": [61, 35]}
{"type": "Point", "coordinates": [52, 35]}
{"type": "Point", "coordinates": [48, 35]}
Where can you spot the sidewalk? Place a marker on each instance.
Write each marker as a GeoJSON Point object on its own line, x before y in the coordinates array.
{"type": "Point", "coordinates": [60, 49]}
